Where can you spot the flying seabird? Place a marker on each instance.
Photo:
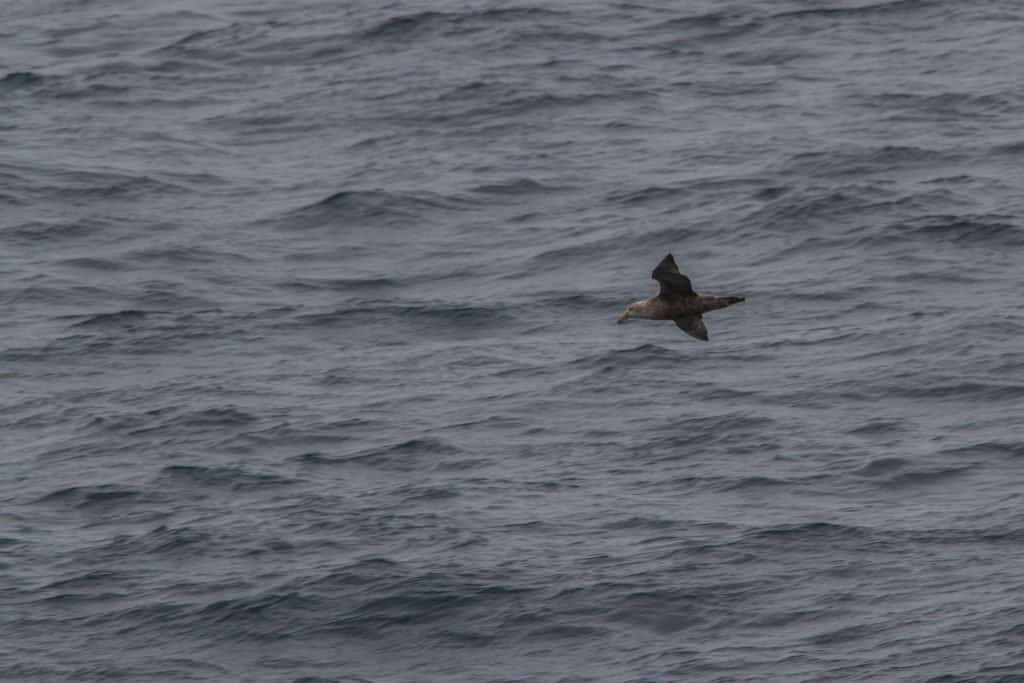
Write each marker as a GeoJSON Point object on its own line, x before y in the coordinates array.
{"type": "Point", "coordinates": [677, 301]}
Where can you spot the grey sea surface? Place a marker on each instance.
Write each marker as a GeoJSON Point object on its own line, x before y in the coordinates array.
{"type": "Point", "coordinates": [310, 367]}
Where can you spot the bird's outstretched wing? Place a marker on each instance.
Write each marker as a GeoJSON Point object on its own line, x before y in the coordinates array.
{"type": "Point", "coordinates": [673, 283]}
{"type": "Point", "coordinates": [692, 325]}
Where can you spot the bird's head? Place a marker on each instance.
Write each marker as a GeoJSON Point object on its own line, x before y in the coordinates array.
{"type": "Point", "coordinates": [634, 310]}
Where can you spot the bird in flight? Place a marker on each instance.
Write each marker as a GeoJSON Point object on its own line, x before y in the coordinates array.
{"type": "Point", "coordinates": [677, 301]}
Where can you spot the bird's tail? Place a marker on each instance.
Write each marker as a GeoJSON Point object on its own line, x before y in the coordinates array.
{"type": "Point", "coordinates": [713, 303]}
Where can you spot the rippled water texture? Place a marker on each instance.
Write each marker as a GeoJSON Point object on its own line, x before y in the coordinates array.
{"type": "Point", "coordinates": [311, 373]}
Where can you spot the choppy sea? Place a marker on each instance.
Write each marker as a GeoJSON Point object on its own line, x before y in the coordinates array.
{"type": "Point", "coordinates": [310, 369]}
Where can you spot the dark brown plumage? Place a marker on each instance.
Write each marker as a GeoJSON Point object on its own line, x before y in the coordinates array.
{"type": "Point", "coordinates": [676, 301]}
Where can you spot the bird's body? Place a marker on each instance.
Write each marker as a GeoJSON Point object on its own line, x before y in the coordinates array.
{"type": "Point", "coordinates": [677, 301]}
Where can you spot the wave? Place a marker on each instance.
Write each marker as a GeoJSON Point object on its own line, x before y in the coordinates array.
{"type": "Point", "coordinates": [953, 389]}
{"type": "Point", "coordinates": [264, 616]}
{"type": "Point", "coordinates": [259, 43]}
{"type": "Point", "coordinates": [185, 254]}
{"type": "Point", "coordinates": [517, 187]}
{"type": "Point", "coordinates": [899, 473]}
{"type": "Point", "coordinates": [162, 540]}
{"type": "Point", "coordinates": [16, 80]}
{"type": "Point", "coordinates": [988, 230]}
{"type": "Point", "coordinates": [868, 215]}
{"type": "Point", "coordinates": [91, 580]}
{"type": "Point", "coordinates": [209, 47]}
{"type": "Point", "coordinates": [641, 523]}
{"type": "Point", "coordinates": [1010, 149]}
{"type": "Point", "coordinates": [576, 301]}
{"type": "Point", "coordinates": [445, 317]}
{"type": "Point", "coordinates": [414, 447]}
{"type": "Point", "coordinates": [348, 209]}
{"type": "Point", "coordinates": [642, 355]}
{"type": "Point", "coordinates": [850, 162]}
{"type": "Point", "coordinates": [924, 476]}
{"type": "Point", "coordinates": [870, 10]}
{"type": "Point", "coordinates": [406, 25]}
{"type": "Point", "coordinates": [850, 634]}
{"type": "Point", "coordinates": [880, 467]}
{"type": "Point", "coordinates": [349, 284]}
{"type": "Point", "coordinates": [233, 478]}
{"type": "Point", "coordinates": [878, 426]}
{"type": "Point", "coordinates": [91, 185]}
{"type": "Point", "coordinates": [119, 318]}
{"type": "Point", "coordinates": [650, 194]}
{"type": "Point", "coordinates": [223, 416]}
{"type": "Point", "coordinates": [810, 531]}
{"type": "Point", "coordinates": [32, 184]}
{"type": "Point", "coordinates": [473, 91]}
{"type": "Point", "coordinates": [172, 420]}
{"type": "Point", "coordinates": [755, 483]}
{"type": "Point", "coordinates": [93, 263]}
{"type": "Point", "coordinates": [87, 497]}
{"type": "Point", "coordinates": [43, 231]}
{"type": "Point", "coordinates": [797, 212]}
{"type": "Point", "coordinates": [95, 92]}
{"type": "Point", "coordinates": [403, 456]}
{"type": "Point", "coordinates": [296, 435]}
{"type": "Point", "coordinates": [754, 56]}
{"type": "Point", "coordinates": [593, 251]}
{"type": "Point", "coordinates": [709, 27]}
{"type": "Point", "coordinates": [682, 438]}
{"type": "Point", "coordinates": [411, 493]}
{"type": "Point", "coordinates": [363, 599]}
{"type": "Point", "coordinates": [514, 105]}
{"type": "Point", "coordinates": [425, 599]}
{"type": "Point", "coordinates": [1011, 449]}
{"type": "Point", "coordinates": [418, 24]}
{"type": "Point", "coordinates": [944, 106]}
{"type": "Point", "coordinates": [144, 330]}
{"type": "Point", "coordinates": [357, 574]}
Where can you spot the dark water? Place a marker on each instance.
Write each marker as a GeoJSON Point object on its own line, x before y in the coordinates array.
{"type": "Point", "coordinates": [310, 370]}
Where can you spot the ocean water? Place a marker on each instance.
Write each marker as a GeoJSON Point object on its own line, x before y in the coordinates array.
{"type": "Point", "coordinates": [310, 367]}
